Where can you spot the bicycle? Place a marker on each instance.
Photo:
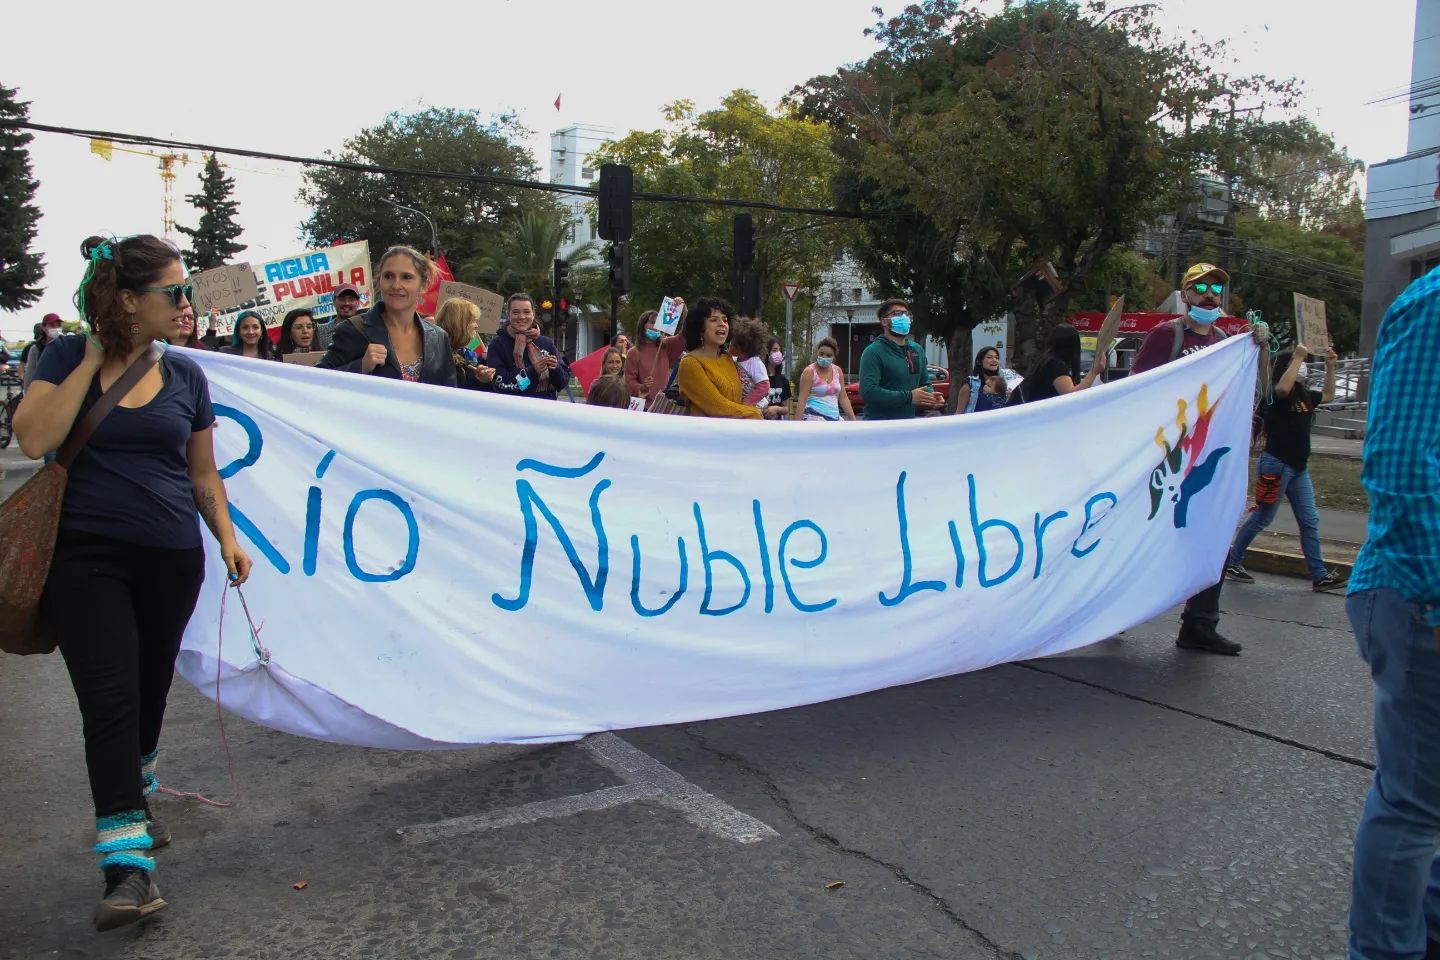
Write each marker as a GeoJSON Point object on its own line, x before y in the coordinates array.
{"type": "Point", "coordinates": [7, 409]}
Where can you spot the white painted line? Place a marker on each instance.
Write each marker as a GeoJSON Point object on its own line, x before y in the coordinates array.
{"type": "Point", "coordinates": [529, 813]}
{"type": "Point", "coordinates": [700, 808]}
{"type": "Point", "coordinates": [645, 779]}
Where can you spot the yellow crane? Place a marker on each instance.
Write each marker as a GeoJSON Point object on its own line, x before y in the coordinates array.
{"type": "Point", "coordinates": [106, 148]}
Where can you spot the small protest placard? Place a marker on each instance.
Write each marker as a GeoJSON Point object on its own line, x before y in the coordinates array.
{"type": "Point", "coordinates": [1109, 328]}
{"type": "Point", "coordinates": [1311, 328]}
{"type": "Point", "coordinates": [668, 320]}
{"type": "Point", "coordinates": [308, 359]}
{"type": "Point", "coordinates": [637, 404]}
{"type": "Point", "coordinates": [223, 288]}
{"type": "Point", "coordinates": [490, 304]}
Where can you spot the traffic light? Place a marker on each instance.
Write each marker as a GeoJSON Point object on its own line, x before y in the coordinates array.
{"type": "Point", "coordinates": [744, 241]}
{"type": "Point", "coordinates": [562, 273]}
{"type": "Point", "coordinates": [616, 184]}
{"type": "Point", "coordinates": [620, 267]}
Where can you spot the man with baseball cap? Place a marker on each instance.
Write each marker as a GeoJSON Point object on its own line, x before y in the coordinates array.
{"type": "Point", "coordinates": [1203, 291]}
{"type": "Point", "coordinates": [347, 303]}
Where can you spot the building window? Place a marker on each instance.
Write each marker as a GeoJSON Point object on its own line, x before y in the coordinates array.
{"type": "Point", "coordinates": [587, 173]}
{"type": "Point", "coordinates": [857, 294]}
{"type": "Point", "coordinates": [835, 295]}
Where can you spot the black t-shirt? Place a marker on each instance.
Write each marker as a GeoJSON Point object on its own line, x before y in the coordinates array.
{"type": "Point", "coordinates": [131, 481]}
{"type": "Point", "coordinates": [779, 389]}
{"type": "Point", "coordinates": [1041, 386]}
{"type": "Point", "coordinates": [31, 348]}
{"type": "Point", "coordinates": [1287, 426]}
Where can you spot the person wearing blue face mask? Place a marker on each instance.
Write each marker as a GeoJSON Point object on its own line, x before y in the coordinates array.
{"type": "Point", "coordinates": [894, 378]}
{"type": "Point", "coordinates": [822, 387]}
{"type": "Point", "coordinates": [650, 361]}
{"type": "Point", "coordinates": [1203, 290]}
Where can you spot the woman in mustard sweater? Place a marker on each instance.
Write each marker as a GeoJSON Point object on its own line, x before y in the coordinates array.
{"type": "Point", "coordinates": [709, 380]}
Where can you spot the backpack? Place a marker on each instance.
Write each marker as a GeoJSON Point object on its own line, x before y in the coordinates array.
{"type": "Point", "coordinates": [1178, 325]}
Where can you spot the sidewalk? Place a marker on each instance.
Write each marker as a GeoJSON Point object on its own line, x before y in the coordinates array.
{"type": "Point", "coordinates": [1336, 447]}
{"type": "Point", "coordinates": [1277, 550]}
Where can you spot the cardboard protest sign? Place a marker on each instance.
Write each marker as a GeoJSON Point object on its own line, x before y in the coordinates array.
{"type": "Point", "coordinates": [1109, 328]}
{"type": "Point", "coordinates": [1311, 328]}
{"type": "Point", "coordinates": [668, 320]}
{"type": "Point", "coordinates": [306, 281]}
{"type": "Point", "coordinates": [222, 288]}
{"type": "Point", "coordinates": [308, 359]}
{"type": "Point", "coordinates": [490, 304]}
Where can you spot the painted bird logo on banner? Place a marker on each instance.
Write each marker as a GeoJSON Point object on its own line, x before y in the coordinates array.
{"type": "Point", "coordinates": [1181, 473]}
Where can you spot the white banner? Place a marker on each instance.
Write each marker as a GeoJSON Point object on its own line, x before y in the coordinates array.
{"type": "Point", "coordinates": [306, 280]}
{"type": "Point", "coordinates": [438, 567]}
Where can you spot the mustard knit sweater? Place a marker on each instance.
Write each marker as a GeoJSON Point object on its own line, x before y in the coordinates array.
{"type": "Point", "coordinates": [711, 388]}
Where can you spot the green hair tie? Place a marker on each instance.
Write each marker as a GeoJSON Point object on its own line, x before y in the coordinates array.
{"type": "Point", "coordinates": [101, 251]}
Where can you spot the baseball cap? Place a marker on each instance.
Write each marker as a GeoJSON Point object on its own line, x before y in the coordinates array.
{"type": "Point", "coordinates": [345, 288]}
{"type": "Point", "coordinates": [1203, 270]}
{"type": "Point", "coordinates": [51, 318]}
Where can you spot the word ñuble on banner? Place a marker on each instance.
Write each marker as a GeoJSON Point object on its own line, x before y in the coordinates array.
{"type": "Point", "coordinates": [306, 281]}
{"type": "Point", "coordinates": [591, 570]}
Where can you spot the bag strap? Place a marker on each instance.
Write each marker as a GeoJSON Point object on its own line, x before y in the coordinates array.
{"type": "Point", "coordinates": [1178, 325]}
{"type": "Point", "coordinates": [85, 426]}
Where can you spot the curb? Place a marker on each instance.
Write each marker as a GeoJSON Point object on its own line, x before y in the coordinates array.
{"type": "Point", "coordinates": [1289, 564]}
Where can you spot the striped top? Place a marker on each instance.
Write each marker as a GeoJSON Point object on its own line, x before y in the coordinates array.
{"type": "Point", "coordinates": [1402, 453]}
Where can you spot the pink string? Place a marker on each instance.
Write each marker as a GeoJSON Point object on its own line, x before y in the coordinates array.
{"type": "Point", "coordinates": [264, 655]}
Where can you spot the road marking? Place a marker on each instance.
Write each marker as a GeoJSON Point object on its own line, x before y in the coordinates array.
{"type": "Point", "coordinates": [645, 779]}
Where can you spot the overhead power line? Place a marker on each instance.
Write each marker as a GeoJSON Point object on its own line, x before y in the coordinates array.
{"type": "Point", "coordinates": [515, 182]}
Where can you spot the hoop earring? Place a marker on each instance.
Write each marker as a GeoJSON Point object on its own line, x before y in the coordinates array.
{"type": "Point", "coordinates": [134, 329]}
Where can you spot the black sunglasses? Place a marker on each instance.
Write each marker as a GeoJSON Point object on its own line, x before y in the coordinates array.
{"type": "Point", "coordinates": [177, 292]}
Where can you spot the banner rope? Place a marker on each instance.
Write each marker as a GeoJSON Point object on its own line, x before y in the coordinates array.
{"type": "Point", "coordinates": [262, 654]}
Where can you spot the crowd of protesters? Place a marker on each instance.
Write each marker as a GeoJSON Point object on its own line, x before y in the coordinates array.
{"type": "Point", "coordinates": [149, 567]}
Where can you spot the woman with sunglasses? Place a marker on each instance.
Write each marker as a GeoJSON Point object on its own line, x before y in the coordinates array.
{"type": "Point", "coordinates": [250, 339]}
{"type": "Point", "coordinates": [297, 333]}
{"type": "Point", "coordinates": [128, 560]}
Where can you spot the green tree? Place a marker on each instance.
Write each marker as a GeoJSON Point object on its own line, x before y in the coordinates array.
{"type": "Point", "coordinates": [1297, 173]}
{"type": "Point", "coordinates": [20, 270]}
{"type": "Point", "coordinates": [744, 150]}
{"type": "Point", "coordinates": [212, 241]}
{"type": "Point", "coordinates": [469, 216]}
{"type": "Point", "coordinates": [985, 144]}
{"type": "Point", "coordinates": [1275, 259]}
{"type": "Point", "coordinates": [524, 260]}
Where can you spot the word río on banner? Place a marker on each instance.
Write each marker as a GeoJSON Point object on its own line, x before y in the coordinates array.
{"type": "Point", "coordinates": [314, 505]}
{"type": "Point", "coordinates": [1024, 543]}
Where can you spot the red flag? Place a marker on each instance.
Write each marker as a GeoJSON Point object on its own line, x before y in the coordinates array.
{"type": "Point", "coordinates": [432, 293]}
{"type": "Point", "coordinates": [557, 101]}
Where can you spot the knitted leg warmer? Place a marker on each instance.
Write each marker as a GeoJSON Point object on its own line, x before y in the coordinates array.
{"type": "Point", "coordinates": [121, 838]}
{"type": "Point", "coordinates": [147, 771]}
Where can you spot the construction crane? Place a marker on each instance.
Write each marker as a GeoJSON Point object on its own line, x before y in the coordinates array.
{"type": "Point", "coordinates": [106, 148]}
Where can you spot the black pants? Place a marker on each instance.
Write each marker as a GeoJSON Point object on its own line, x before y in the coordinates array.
{"type": "Point", "coordinates": [119, 611]}
{"type": "Point", "coordinates": [1203, 609]}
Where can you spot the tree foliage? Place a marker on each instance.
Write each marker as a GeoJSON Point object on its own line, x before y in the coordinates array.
{"type": "Point", "coordinates": [1275, 259]}
{"type": "Point", "coordinates": [1296, 173]}
{"type": "Point", "coordinates": [524, 259]}
{"type": "Point", "coordinates": [742, 150]}
{"type": "Point", "coordinates": [989, 143]}
{"type": "Point", "coordinates": [470, 217]}
{"type": "Point", "coordinates": [20, 270]}
{"type": "Point", "coordinates": [212, 241]}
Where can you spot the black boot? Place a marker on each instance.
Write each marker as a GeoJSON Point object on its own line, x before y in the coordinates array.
{"type": "Point", "coordinates": [130, 895]}
{"type": "Point", "coordinates": [1203, 637]}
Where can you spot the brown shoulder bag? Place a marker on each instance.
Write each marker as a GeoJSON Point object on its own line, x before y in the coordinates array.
{"type": "Point", "coordinates": [30, 521]}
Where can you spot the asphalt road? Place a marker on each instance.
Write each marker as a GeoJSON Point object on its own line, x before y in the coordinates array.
{"type": "Point", "coordinates": [1127, 800]}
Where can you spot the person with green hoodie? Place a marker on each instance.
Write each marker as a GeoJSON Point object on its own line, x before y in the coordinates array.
{"type": "Point", "coordinates": [894, 378]}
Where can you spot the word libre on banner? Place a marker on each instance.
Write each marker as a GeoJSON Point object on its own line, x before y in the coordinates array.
{"type": "Point", "coordinates": [630, 571]}
{"type": "Point", "coordinates": [305, 281]}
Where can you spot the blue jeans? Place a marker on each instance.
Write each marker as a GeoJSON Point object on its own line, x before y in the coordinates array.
{"type": "Point", "coordinates": [1296, 485]}
{"type": "Point", "coordinates": [1396, 892]}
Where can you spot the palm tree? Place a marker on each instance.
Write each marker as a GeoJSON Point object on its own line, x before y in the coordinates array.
{"type": "Point", "coordinates": [526, 258]}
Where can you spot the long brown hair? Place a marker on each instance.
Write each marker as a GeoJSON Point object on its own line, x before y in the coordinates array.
{"type": "Point", "coordinates": [116, 265]}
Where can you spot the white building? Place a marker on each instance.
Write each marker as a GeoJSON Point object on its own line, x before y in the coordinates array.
{"type": "Point", "coordinates": [1402, 197]}
{"type": "Point", "coordinates": [846, 309]}
{"type": "Point", "coordinates": [571, 163]}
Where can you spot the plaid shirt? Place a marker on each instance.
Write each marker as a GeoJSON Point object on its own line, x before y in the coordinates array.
{"type": "Point", "coordinates": [1402, 453]}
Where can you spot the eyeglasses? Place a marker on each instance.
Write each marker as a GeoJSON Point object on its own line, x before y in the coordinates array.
{"type": "Point", "coordinates": [1215, 288]}
{"type": "Point", "coordinates": [175, 291]}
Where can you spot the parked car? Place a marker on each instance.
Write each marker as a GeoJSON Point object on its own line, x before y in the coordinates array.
{"type": "Point", "coordinates": [939, 379]}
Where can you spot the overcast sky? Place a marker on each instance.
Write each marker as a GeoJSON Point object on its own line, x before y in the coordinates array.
{"type": "Point", "coordinates": [299, 78]}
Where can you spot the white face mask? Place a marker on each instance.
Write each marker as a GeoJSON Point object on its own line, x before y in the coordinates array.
{"type": "Point", "coordinates": [1304, 372]}
{"type": "Point", "coordinates": [51, 333]}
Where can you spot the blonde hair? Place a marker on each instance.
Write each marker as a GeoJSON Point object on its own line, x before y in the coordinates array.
{"type": "Point", "coordinates": [455, 317]}
{"type": "Point", "coordinates": [423, 264]}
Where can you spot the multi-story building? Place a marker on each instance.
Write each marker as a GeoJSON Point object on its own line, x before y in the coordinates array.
{"type": "Point", "coordinates": [1402, 197]}
{"type": "Point", "coordinates": [571, 163]}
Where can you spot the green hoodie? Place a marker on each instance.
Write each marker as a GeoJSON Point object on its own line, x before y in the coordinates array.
{"type": "Point", "coordinates": [888, 374]}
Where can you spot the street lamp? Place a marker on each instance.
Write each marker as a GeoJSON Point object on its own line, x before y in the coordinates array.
{"type": "Point", "coordinates": [850, 340]}
{"type": "Point", "coordinates": [434, 236]}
